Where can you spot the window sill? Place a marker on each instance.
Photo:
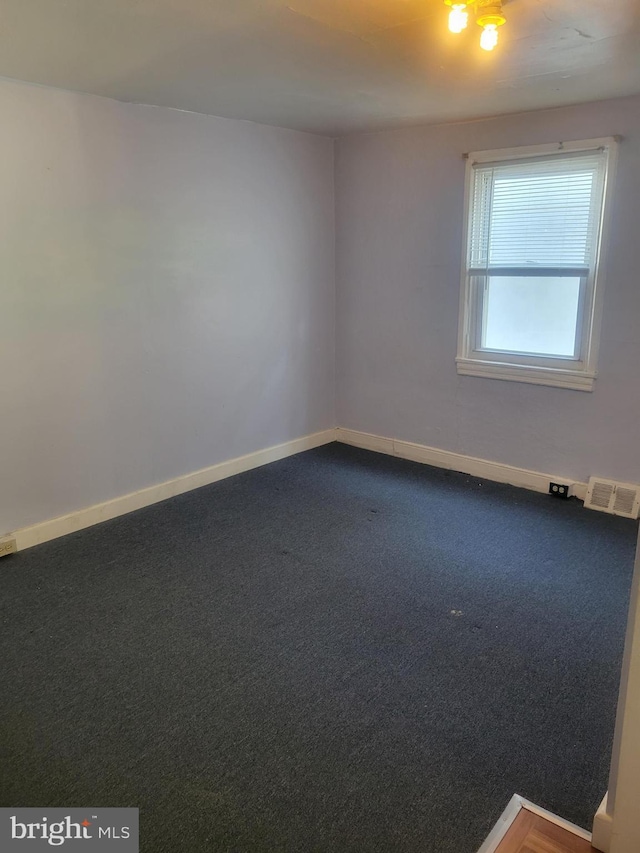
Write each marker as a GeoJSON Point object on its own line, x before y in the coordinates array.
{"type": "Point", "coordinates": [556, 377]}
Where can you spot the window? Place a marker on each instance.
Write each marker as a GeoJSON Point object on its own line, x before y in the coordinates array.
{"type": "Point", "coordinates": [530, 294]}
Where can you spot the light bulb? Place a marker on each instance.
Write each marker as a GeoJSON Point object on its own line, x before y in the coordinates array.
{"type": "Point", "coordinates": [489, 37]}
{"type": "Point", "coordinates": [458, 17]}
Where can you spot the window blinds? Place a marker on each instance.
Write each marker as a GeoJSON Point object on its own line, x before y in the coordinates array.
{"type": "Point", "coordinates": [535, 214]}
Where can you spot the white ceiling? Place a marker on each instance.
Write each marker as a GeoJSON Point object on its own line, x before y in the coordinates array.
{"type": "Point", "coordinates": [329, 66]}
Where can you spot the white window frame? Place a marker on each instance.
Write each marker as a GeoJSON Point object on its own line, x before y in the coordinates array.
{"type": "Point", "coordinates": [577, 372]}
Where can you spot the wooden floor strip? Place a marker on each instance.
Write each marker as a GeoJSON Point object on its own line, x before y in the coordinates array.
{"type": "Point", "coordinates": [532, 833]}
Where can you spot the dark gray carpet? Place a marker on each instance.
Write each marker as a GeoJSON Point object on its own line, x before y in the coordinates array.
{"type": "Point", "coordinates": [338, 652]}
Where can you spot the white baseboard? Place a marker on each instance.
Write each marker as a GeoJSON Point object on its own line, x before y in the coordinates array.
{"type": "Point", "coordinates": [35, 534]}
{"type": "Point", "coordinates": [483, 468]}
{"type": "Point", "coordinates": [602, 828]}
{"type": "Point", "coordinates": [43, 531]}
{"type": "Point", "coordinates": [513, 809]}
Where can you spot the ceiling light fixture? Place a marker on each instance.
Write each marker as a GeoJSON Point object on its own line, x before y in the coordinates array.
{"type": "Point", "coordinates": [458, 16]}
{"type": "Point", "coordinates": [488, 15]}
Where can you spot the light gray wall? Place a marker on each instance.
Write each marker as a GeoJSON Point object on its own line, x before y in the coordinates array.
{"type": "Point", "coordinates": [167, 295]}
{"type": "Point", "coordinates": [399, 227]}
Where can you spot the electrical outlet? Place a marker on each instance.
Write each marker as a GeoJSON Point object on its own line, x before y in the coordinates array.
{"type": "Point", "coordinates": [7, 546]}
{"type": "Point", "coordinates": [559, 490]}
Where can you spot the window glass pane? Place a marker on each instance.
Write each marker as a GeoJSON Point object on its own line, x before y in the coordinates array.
{"type": "Point", "coordinates": [541, 219]}
{"type": "Point", "coordinates": [542, 213]}
{"type": "Point", "coordinates": [531, 314]}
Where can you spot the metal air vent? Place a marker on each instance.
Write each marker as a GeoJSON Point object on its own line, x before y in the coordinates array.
{"type": "Point", "coordinates": [614, 498]}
